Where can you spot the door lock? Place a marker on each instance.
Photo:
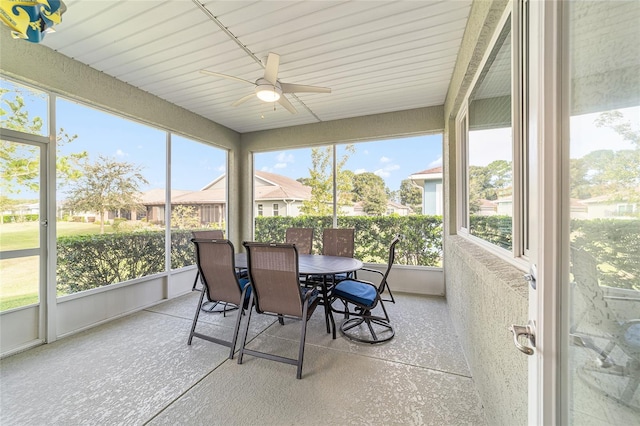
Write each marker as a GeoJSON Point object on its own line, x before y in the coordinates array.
{"type": "Point", "coordinates": [532, 276]}
{"type": "Point", "coordinates": [527, 331]}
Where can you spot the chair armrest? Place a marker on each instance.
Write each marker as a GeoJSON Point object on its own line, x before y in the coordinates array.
{"type": "Point", "coordinates": [371, 270]}
{"type": "Point", "coordinates": [623, 298]}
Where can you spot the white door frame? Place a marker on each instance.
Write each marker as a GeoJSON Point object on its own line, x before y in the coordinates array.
{"type": "Point", "coordinates": [548, 251]}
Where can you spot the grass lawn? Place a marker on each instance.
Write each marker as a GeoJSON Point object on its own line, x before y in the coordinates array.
{"type": "Point", "coordinates": [18, 236]}
{"type": "Point", "coordinates": [19, 277]}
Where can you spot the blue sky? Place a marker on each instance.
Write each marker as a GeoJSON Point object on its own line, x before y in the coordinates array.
{"type": "Point", "coordinates": [393, 159]}
{"type": "Point", "coordinates": [195, 164]}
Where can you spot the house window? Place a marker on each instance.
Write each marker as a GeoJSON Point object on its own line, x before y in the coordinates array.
{"type": "Point", "coordinates": [275, 210]}
{"type": "Point", "coordinates": [260, 210]}
{"type": "Point", "coordinates": [626, 209]}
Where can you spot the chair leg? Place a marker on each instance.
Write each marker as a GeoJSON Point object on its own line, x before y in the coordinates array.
{"type": "Point", "coordinates": [237, 328]}
{"type": "Point", "coordinates": [195, 282]}
{"type": "Point", "coordinates": [195, 319]}
{"type": "Point", "coordinates": [303, 335]}
{"type": "Point", "coordinates": [243, 342]}
{"type": "Point", "coordinates": [392, 300]}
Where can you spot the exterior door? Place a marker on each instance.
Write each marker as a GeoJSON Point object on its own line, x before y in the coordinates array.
{"type": "Point", "coordinates": [22, 242]}
{"type": "Point", "coordinates": [584, 117]}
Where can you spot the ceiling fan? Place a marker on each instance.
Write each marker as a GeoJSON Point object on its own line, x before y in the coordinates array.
{"type": "Point", "coordinates": [268, 88]}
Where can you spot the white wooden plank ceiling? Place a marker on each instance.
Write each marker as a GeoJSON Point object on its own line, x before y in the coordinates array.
{"type": "Point", "coordinates": [376, 56]}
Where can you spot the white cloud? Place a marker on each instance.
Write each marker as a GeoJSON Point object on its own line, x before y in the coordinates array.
{"type": "Point", "coordinates": [285, 157]}
{"type": "Point", "coordinates": [435, 163]}
{"type": "Point", "coordinates": [586, 137]}
{"type": "Point", "coordinates": [280, 166]}
{"type": "Point", "coordinates": [358, 171]}
{"type": "Point", "coordinates": [383, 173]}
{"type": "Point", "coordinates": [222, 168]}
{"type": "Point", "coordinates": [385, 160]}
{"type": "Point", "coordinates": [121, 153]}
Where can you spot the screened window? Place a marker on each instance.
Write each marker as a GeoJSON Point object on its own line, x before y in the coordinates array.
{"type": "Point", "coordinates": [198, 194]}
{"type": "Point", "coordinates": [111, 187]}
{"type": "Point", "coordinates": [381, 188]}
{"type": "Point", "coordinates": [488, 191]}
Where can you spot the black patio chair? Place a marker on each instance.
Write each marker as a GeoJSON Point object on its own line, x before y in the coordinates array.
{"type": "Point", "coordinates": [360, 298]}
{"type": "Point", "coordinates": [600, 330]}
{"type": "Point", "coordinates": [276, 290]}
{"type": "Point", "coordinates": [301, 237]}
{"type": "Point", "coordinates": [220, 283]}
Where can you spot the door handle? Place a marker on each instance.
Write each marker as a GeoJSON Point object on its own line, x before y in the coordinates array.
{"type": "Point", "coordinates": [524, 330]}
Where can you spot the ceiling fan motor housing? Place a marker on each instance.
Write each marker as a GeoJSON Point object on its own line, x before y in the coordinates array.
{"type": "Point", "coordinates": [267, 91]}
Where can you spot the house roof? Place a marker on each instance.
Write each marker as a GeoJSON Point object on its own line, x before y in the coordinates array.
{"type": "Point", "coordinates": [431, 171]}
{"type": "Point", "coordinates": [268, 187]}
{"type": "Point", "coordinates": [432, 174]}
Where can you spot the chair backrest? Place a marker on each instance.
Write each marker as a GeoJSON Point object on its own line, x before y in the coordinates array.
{"type": "Point", "coordinates": [301, 237]}
{"type": "Point", "coordinates": [392, 258]}
{"type": "Point", "coordinates": [213, 234]}
{"type": "Point", "coordinates": [597, 311]}
{"type": "Point", "coordinates": [338, 242]}
{"type": "Point", "coordinates": [216, 263]}
{"type": "Point", "coordinates": [274, 277]}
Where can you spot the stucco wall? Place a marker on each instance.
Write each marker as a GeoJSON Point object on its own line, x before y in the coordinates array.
{"type": "Point", "coordinates": [485, 294]}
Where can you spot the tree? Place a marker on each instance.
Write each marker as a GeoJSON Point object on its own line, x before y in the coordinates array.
{"type": "Point", "coordinates": [489, 182]}
{"type": "Point", "coordinates": [370, 190]}
{"type": "Point", "coordinates": [185, 217]}
{"type": "Point", "coordinates": [321, 182]}
{"type": "Point", "coordinates": [410, 195]}
{"type": "Point", "coordinates": [20, 163]}
{"type": "Point", "coordinates": [607, 172]}
{"type": "Point", "coordinates": [106, 185]}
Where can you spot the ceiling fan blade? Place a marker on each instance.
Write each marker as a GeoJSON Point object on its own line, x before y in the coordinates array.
{"type": "Point", "coordinates": [271, 69]}
{"type": "Point", "coordinates": [243, 99]}
{"type": "Point", "coordinates": [230, 77]}
{"type": "Point", "coordinates": [299, 88]}
{"type": "Point", "coordinates": [286, 104]}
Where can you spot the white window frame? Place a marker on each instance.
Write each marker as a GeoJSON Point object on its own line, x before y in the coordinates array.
{"type": "Point", "coordinates": [517, 254]}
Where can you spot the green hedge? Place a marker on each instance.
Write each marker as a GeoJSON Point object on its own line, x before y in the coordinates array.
{"type": "Point", "coordinates": [494, 229]}
{"type": "Point", "coordinates": [421, 235]}
{"type": "Point", "coordinates": [91, 261]}
{"type": "Point", "coordinates": [19, 218]}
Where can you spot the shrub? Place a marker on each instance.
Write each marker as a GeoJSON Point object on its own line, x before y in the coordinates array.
{"type": "Point", "coordinates": [421, 235]}
{"type": "Point", "coordinates": [91, 261]}
{"type": "Point", "coordinates": [615, 243]}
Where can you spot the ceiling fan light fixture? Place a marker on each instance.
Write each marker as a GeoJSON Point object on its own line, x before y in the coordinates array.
{"type": "Point", "coordinates": [268, 92]}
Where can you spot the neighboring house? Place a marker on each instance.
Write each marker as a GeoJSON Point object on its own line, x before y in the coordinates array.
{"type": "Point", "coordinates": [392, 208]}
{"type": "Point", "coordinates": [610, 207]}
{"type": "Point", "coordinates": [275, 195]}
{"type": "Point", "coordinates": [430, 181]}
{"type": "Point", "coordinates": [486, 208]}
{"type": "Point", "coordinates": [22, 209]}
